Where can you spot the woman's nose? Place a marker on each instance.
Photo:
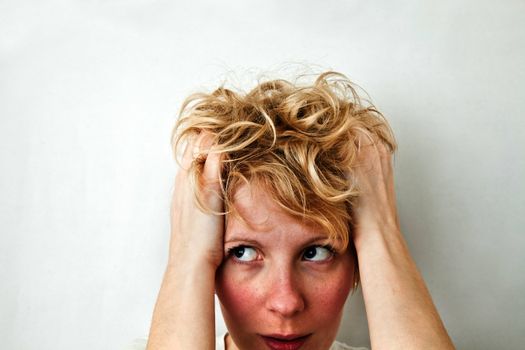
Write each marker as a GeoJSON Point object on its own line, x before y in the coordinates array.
{"type": "Point", "coordinates": [284, 295]}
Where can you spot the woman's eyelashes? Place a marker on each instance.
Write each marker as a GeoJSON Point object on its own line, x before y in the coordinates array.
{"type": "Point", "coordinates": [243, 253]}
{"type": "Point", "coordinates": [319, 253]}
{"type": "Point", "coordinates": [314, 253]}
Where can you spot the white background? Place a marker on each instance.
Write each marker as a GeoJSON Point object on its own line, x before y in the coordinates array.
{"type": "Point", "coordinates": [89, 91]}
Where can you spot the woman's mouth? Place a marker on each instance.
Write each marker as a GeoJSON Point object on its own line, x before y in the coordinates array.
{"type": "Point", "coordinates": [284, 342]}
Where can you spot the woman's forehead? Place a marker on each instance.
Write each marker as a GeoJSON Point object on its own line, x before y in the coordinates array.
{"type": "Point", "coordinates": [255, 204]}
{"type": "Point", "coordinates": [258, 216]}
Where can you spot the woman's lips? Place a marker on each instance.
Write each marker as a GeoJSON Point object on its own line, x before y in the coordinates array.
{"type": "Point", "coordinates": [284, 342]}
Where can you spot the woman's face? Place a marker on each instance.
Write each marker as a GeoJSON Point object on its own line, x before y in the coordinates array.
{"type": "Point", "coordinates": [280, 285]}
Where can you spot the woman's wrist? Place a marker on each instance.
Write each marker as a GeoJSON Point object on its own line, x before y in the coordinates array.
{"type": "Point", "coordinates": [363, 237]}
{"type": "Point", "coordinates": [187, 289]}
{"type": "Point", "coordinates": [397, 301]}
{"type": "Point", "coordinates": [190, 262]}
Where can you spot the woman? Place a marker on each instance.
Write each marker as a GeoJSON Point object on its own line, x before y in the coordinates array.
{"type": "Point", "coordinates": [284, 204]}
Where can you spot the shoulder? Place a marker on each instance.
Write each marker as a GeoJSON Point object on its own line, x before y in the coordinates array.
{"type": "Point", "coordinates": [138, 344]}
{"type": "Point", "coordinates": [341, 346]}
{"type": "Point", "coordinates": [141, 343]}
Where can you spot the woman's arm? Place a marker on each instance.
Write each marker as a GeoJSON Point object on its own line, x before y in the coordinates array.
{"type": "Point", "coordinates": [184, 313]}
{"type": "Point", "coordinates": [399, 308]}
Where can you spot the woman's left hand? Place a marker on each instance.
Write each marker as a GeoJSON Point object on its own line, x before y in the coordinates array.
{"type": "Point", "coordinates": [376, 211]}
{"type": "Point", "coordinates": [399, 308]}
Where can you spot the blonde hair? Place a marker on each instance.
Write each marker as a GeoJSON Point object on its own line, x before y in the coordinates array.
{"type": "Point", "coordinates": [300, 142]}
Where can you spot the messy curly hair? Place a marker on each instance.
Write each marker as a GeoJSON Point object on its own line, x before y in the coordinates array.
{"type": "Point", "coordinates": [298, 141]}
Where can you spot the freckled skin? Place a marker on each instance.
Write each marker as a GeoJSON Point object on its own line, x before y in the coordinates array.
{"type": "Point", "coordinates": [280, 292]}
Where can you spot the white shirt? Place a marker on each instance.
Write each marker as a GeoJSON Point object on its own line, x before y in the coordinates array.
{"type": "Point", "coordinates": [140, 344]}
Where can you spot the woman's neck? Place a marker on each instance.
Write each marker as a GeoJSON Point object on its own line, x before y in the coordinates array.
{"type": "Point", "coordinates": [228, 343]}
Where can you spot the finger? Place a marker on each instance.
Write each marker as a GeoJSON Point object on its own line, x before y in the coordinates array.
{"type": "Point", "coordinates": [203, 144]}
{"type": "Point", "coordinates": [365, 138]}
{"type": "Point", "coordinates": [187, 157]}
{"type": "Point", "coordinates": [210, 175]}
{"type": "Point", "coordinates": [372, 149]}
{"type": "Point", "coordinates": [212, 165]}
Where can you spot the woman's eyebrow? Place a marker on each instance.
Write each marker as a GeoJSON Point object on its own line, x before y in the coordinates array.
{"type": "Point", "coordinates": [335, 242]}
{"type": "Point", "coordinates": [317, 239]}
{"type": "Point", "coordinates": [242, 239]}
{"type": "Point", "coordinates": [256, 242]}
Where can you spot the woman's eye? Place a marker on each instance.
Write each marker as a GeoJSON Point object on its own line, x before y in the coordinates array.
{"type": "Point", "coordinates": [244, 253]}
{"type": "Point", "coordinates": [318, 253]}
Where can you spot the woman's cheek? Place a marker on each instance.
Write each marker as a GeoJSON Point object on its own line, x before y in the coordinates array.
{"type": "Point", "coordinates": [334, 296]}
{"type": "Point", "coordinates": [330, 293]}
{"type": "Point", "coordinates": [237, 288]}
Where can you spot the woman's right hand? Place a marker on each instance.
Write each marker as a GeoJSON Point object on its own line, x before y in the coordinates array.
{"type": "Point", "coordinates": [197, 236]}
{"type": "Point", "coordinates": [184, 313]}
